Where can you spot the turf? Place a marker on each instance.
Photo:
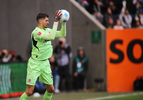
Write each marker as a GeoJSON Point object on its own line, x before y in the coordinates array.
{"type": "Point", "coordinates": [89, 96]}
{"type": "Point", "coordinates": [132, 97]}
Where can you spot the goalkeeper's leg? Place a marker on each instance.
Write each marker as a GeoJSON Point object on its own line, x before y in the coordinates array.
{"type": "Point", "coordinates": [27, 93]}
{"type": "Point", "coordinates": [49, 92]}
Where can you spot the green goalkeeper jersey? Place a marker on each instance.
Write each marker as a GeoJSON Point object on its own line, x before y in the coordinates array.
{"type": "Point", "coordinates": [41, 41]}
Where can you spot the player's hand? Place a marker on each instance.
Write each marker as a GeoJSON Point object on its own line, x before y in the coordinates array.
{"type": "Point", "coordinates": [57, 16]}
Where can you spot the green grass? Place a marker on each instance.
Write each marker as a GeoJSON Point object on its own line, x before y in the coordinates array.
{"type": "Point", "coordinates": [132, 97]}
{"type": "Point", "coordinates": [90, 95]}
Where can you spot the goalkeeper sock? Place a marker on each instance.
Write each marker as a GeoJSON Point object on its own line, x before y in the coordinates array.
{"type": "Point", "coordinates": [47, 96]}
{"type": "Point", "coordinates": [24, 96]}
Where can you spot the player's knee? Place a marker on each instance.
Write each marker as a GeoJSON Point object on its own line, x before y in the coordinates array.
{"type": "Point", "coordinates": [51, 90]}
{"type": "Point", "coordinates": [29, 92]}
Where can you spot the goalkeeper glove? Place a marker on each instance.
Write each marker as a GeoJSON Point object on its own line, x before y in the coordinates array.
{"type": "Point", "coordinates": [57, 16]}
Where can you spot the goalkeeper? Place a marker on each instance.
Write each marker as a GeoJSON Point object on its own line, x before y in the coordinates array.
{"type": "Point", "coordinates": [38, 63]}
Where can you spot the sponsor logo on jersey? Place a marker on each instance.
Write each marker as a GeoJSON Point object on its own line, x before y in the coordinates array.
{"type": "Point", "coordinates": [39, 33]}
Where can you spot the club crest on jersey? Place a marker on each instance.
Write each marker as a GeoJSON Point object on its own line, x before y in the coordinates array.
{"type": "Point", "coordinates": [29, 80]}
{"type": "Point", "coordinates": [39, 33]}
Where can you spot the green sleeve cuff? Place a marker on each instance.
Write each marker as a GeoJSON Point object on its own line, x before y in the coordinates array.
{"type": "Point", "coordinates": [62, 32]}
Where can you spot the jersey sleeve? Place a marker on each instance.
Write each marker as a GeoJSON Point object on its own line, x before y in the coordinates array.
{"type": "Point", "coordinates": [48, 34]}
{"type": "Point", "coordinates": [62, 32]}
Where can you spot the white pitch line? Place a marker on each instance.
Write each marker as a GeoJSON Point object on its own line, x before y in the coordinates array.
{"type": "Point", "coordinates": [115, 96]}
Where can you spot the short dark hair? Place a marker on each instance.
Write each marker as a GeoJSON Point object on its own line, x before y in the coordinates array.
{"type": "Point", "coordinates": [41, 15]}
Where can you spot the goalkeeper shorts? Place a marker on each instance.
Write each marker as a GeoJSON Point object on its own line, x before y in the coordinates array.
{"type": "Point", "coordinates": [39, 69]}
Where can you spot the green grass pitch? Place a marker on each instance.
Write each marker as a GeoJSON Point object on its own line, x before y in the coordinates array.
{"type": "Point", "coordinates": [90, 96]}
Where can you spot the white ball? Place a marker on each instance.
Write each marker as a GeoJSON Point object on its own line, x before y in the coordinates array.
{"type": "Point", "coordinates": [65, 16]}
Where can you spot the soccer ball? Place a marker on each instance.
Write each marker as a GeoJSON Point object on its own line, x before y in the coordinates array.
{"type": "Point", "coordinates": [65, 16]}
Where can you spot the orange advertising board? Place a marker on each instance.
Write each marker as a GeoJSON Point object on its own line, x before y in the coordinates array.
{"type": "Point", "coordinates": [124, 58]}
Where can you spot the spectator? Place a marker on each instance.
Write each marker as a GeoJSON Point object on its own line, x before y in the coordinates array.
{"type": "Point", "coordinates": [4, 56]}
{"type": "Point", "coordinates": [105, 5]}
{"type": "Point", "coordinates": [95, 9]}
{"type": "Point", "coordinates": [84, 3]}
{"type": "Point", "coordinates": [118, 25]}
{"type": "Point", "coordinates": [63, 55]}
{"type": "Point", "coordinates": [80, 67]}
{"type": "Point", "coordinates": [110, 23]}
{"type": "Point", "coordinates": [139, 17]}
{"type": "Point", "coordinates": [55, 74]}
{"type": "Point", "coordinates": [138, 8]}
{"type": "Point", "coordinates": [113, 7]}
{"type": "Point", "coordinates": [107, 16]}
{"type": "Point", "coordinates": [138, 25]}
{"type": "Point", "coordinates": [119, 9]}
{"type": "Point", "coordinates": [126, 19]}
{"type": "Point", "coordinates": [13, 56]}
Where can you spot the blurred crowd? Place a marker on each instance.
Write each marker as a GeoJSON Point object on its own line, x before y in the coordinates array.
{"type": "Point", "coordinates": [60, 65]}
{"type": "Point", "coordinates": [117, 14]}
{"type": "Point", "coordinates": [10, 56]}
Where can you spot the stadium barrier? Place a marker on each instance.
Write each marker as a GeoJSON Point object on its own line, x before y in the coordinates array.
{"type": "Point", "coordinates": [124, 58]}
{"type": "Point", "coordinates": [12, 79]}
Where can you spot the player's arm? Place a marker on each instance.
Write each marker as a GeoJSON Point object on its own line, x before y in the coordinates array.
{"type": "Point", "coordinates": [52, 35]}
{"type": "Point", "coordinates": [62, 32]}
